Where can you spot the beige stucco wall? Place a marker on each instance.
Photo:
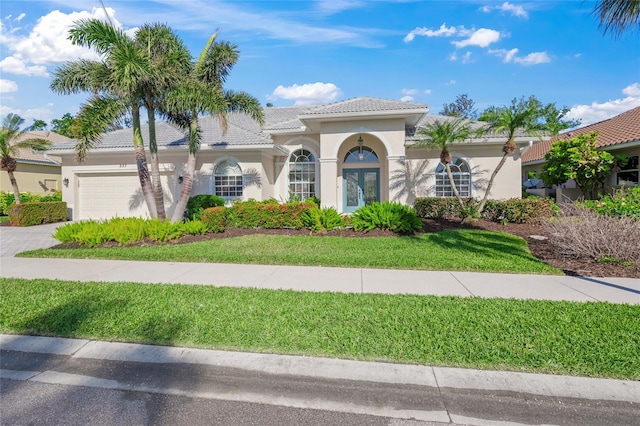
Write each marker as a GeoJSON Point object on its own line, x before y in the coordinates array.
{"type": "Point", "coordinates": [33, 178]}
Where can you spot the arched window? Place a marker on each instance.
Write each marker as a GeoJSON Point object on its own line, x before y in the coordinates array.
{"type": "Point", "coordinates": [361, 155]}
{"type": "Point", "coordinates": [228, 179]}
{"type": "Point", "coordinates": [302, 175]}
{"type": "Point", "coordinates": [461, 177]}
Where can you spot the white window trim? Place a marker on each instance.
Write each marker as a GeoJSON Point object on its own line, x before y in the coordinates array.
{"type": "Point", "coordinates": [213, 178]}
{"type": "Point", "coordinates": [294, 149]}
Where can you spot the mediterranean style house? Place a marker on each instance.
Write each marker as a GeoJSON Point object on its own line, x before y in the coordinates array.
{"type": "Point", "coordinates": [618, 135]}
{"type": "Point", "coordinates": [347, 154]}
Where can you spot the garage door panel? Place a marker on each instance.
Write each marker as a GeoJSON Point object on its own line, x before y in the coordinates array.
{"type": "Point", "coordinates": [103, 196]}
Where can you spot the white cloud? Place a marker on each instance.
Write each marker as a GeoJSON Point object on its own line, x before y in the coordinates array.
{"type": "Point", "coordinates": [507, 7]}
{"type": "Point", "coordinates": [331, 7]}
{"type": "Point", "coordinates": [427, 91]}
{"type": "Point", "coordinates": [47, 43]}
{"type": "Point", "coordinates": [534, 58]}
{"type": "Point", "coordinates": [8, 86]}
{"type": "Point", "coordinates": [602, 111]}
{"type": "Point", "coordinates": [307, 94]}
{"type": "Point", "coordinates": [406, 99]}
{"type": "Point", "coordinates": [466, 58]}
{"type": "Point", "coordinates": [19, 17]}
{"type": "Point", "coordinates": [450, 83]}
{"type": "Point", "coordinates": [409, 91]}
{"type": "Point", "coordinates": [632, 90]}
{"type": "Point", "coordinates": [443, 31]}
{"type": "Point", "coordinates": [453, 57]}
{"type": "Point", "coordinates": [13, 65]}
{"type": "Point", "coordinates": [482, 37]}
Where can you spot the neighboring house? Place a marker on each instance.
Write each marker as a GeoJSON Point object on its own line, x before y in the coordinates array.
{"type": "Point", "coordinates": [37, 172]}
{"type": "Point", "coordinates": [617, 135]}
{"type": "Point", "coordinates": [347, 154]}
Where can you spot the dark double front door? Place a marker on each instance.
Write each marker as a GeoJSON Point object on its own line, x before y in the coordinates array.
{"type": "Point", "coordinates": [360, 187]}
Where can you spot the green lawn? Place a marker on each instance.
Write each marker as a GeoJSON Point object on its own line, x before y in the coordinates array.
{"type": "Point", "coordinates": [455, 250]}
{"type": "Point", "coordinates": [590, 339]}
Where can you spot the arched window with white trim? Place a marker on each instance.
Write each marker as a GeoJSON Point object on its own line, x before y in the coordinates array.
{"type": "Point", "coordinates": [228, 179]}
{"type": "Point", "coordinates": [302, 174]}
{"type": "Point", "coordinates": [461, 176]}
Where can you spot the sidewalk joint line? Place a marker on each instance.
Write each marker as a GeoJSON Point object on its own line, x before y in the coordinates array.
{"type": "Point", "coordinates": [462, 284]}
{"type": "Point", "coordinates": [361, 281]}
{"type": "Point", "coordinates": [575, 289]}
{"type": "Point", "coordinates": [444, 401]}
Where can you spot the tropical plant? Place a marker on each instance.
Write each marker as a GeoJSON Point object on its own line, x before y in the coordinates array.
{"type": "Point", "coordinates": [523, 115]}
{"type": "Point", "coordinates": [202, 91]}
{"type": "Point", "coordinates": [617, 16]}
{"type": "Point", "coordinates": [578, 159]}
{"type": "Point", "coordinates": [395, 217]}
{"type": "Point", "coordinates": [442, 134]}
{"type": "Point", "coordinates": [12, 139]}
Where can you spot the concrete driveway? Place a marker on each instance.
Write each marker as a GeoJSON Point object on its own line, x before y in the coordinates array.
{"type": "Point", "coordinates": [16, 239]}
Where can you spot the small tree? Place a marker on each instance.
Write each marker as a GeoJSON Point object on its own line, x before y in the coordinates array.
{"type": "Point", "coordinates": [62, 125]}
{"type": "Point", "coordinates": [578, 159]}
{"type": "Point", "coordinates": [38, 124]}
{"type": "Point", "coordinates": [462, 107]}
{"type": "Point", "coordinates": [12, 139]}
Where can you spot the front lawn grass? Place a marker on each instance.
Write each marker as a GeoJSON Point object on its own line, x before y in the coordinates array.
{"type": "Point", "coordinates": [585, 339]}
{"type": "Point", "coordinates": [454, 250]}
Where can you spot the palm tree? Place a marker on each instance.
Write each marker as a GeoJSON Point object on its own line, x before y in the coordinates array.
{"type": "Point", "coordinates": [171, 62]}
{"type": "Point", "coordinates": [521, 114]}
{"type": "Point", "coordinates": [442, 134]}
{"type": "Point", "coordinates": [118, 77]}
{"type": "Point", "coordinates": [203, 92]}
{"type": "Point", "coordinates": [617, 16]}
{"type": "Point", "coordinates": [12, 139]}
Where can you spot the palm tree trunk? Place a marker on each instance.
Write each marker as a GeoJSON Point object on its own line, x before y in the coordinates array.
{"type": "Point", "coordinates": [491, 179]}
{"type": "Point", "coordinates": [185, 190]}
{"type": "Point", "coordinates": [453, 184]}
{"type": "Point", "coordinates": [141, 162]}
{"type": "Point", "coordinates": [156, 184]}
{"type": "Point", "coordinates": [14, 185]}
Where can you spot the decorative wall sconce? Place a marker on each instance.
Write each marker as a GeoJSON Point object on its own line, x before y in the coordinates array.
{"type": "Point", "coordinates": [360, 153]}
{"type": "Point", "coordinates": [180, 179]}
{"type": "Point", "coordinates": [65, 182]}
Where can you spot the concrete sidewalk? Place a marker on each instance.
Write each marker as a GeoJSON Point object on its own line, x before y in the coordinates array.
{"type": "Point", "coordinates": [346, 280]}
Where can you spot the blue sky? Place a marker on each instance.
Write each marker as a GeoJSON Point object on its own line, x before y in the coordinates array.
{"type": "Point", "coordinates": [310, 52]}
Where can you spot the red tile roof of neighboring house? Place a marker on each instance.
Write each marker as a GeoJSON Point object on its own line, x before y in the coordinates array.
{"type": "Point", "coordinates": [616, 130]}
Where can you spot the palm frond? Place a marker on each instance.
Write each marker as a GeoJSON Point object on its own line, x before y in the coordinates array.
{"type": "Point", "coordinates": [618, 16]}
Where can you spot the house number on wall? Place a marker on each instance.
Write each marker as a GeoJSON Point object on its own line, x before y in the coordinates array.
{"type": "Point", "coordinates": [122, 166]}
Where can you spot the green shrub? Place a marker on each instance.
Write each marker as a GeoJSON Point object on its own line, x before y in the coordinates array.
{"type": "Point", "coordinates": [36, 213]}
{"type": "Point", "coordinates": [623, 202]}
{"type": "Point", "coordinates": [215, 218]}
{"type": "Point", "coordinates": [395, 217]}
{"type": "Point", "coordinates": [323, 220]}
{"type": "Point", "coordinates": [125, 230]}
{"type": "Point", "coordinates": [198, 203]}
{"type": "Point", "coordinates": [517, 210]}
{"type": "Point", "coordinates": [67, 233]}
{"type": "Point", "coordinates": [441, 208]}
{"type": "Point", "coordinates": [267, 215]}
{"type": "Point", "coordinates": [93, 234]}
{"type": "Point", "coordinates": [162, 230]}
{"type": "Point", "coordinates": [195, 227]}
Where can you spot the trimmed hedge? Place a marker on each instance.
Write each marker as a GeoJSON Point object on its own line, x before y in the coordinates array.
{"type": "Point", "coordinates": [215, 218]}
{"type": "Point", "coordinates": [515, 210]}
{"type": "Point", "coordinates": [36, 213]}
{"type": "Point", "coordinates": [7, 199]}
{"type": "Point", "coordinates": [267, 214]}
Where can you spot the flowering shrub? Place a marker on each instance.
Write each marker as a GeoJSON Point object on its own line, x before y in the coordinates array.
{"type": "Point", "coordinates": [395, 217]}
{"type": "Point", "coordinates": [215, 218]}
{"type": "Point", "coordinates": [623, 202]}
{"type": "Point", "coordinates": [267, 215]}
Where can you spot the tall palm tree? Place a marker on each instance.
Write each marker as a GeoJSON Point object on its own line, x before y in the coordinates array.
{"type": "Point", "coordinates": [617, 16]}
{"type": "Point", "coordinates": [12, 139]}
{"type": "Point", "coordinates": [203, 92]}
{"type": "Point", "coordinates": [507, 120]}
{"type": "Point", "coordinates": [118, 77]}
{"type": "Point", "coordinates": [171, 62]}
{"type": "Point", "coordinates": [442, 134]}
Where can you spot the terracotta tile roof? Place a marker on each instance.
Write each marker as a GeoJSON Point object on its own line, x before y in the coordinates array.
{"type": "Point", "coordinates": [622, 128]}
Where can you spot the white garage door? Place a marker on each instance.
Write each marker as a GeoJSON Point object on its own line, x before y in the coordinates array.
{"type": "Point", "coordinates": [103, 196]}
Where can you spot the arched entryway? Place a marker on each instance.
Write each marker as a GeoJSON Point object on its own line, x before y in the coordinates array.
{"type": "Point", "coordinates": [362, 167]}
